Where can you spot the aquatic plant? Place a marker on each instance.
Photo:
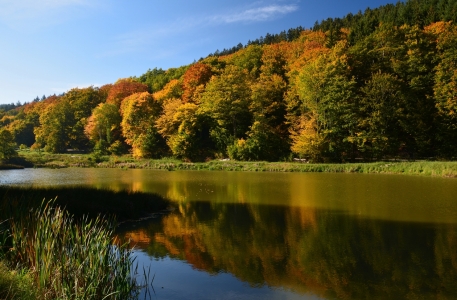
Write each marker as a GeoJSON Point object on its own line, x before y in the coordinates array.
{"type": "Point", "coordinates": [16, 284]}
{"type": "Point", "coordinates": [69, 259]}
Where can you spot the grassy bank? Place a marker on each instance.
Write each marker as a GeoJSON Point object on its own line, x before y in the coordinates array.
{"type": "Point", "coordinates": [63, 248]}
{"type": "Point", "coordinates": [423, 168]}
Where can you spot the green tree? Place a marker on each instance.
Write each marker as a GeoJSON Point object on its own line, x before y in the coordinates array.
{"type": "Point", "coordinates": [249, 59]}
{"type": "Point", "coordinates": [445, 89]}
{"type": "Point", "coordinates": [82, 102]}
{"type": "Point", "coordinates": [7, 145]}
{"type": "Point", "coordinates": [57, 121]}
{"type": "Point", "coordinates": [328, 100]}
{"type": "Point", "coordinates": [184, 130]}
{"type": "Point", "coordinates": [381, 103]}
{"type": "Point", "coordinates": [415, 69]}
{"type": "Point", "coordinates": [103, 126]}
{"type": "Point", "coordinates": [226, 100]}
{"type": "Point", "coordinates": [267, 138]}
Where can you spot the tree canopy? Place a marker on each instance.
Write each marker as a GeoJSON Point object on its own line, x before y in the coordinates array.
{"type": "Point", "coordinates": [378, 84]}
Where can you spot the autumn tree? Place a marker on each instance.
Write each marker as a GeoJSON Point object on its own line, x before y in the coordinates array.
{"type": "Point", "coordinates": [56, 125]}
{"type": "Point", "coordinates": [139, 113]}
{"type": "Point", "coordinates": [172, 89]}
{"type": "Point", "coordinates": [184, 130]}
{"type": "Point", "coordinates": [124, 88]}
{"type": "Point", "coordinates": [103, 126]}
{"type": "Point", "coordinates": [194, 81]}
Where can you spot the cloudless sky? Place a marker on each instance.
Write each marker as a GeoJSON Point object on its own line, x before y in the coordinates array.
{"type": "Point", "coordinates": [51, 46]}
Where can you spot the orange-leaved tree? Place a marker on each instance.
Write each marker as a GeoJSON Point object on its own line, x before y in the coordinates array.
{"type": "Point", "coordinates": [194, 81]}
{"type": "Point", "coordinates": [124, 88]}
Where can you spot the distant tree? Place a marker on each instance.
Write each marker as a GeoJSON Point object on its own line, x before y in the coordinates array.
{"type": "Point", "coordinates": [194, 81]}
{"type": "Point", "coordinates": [56, 121]}
{"type": "Point", "coordinates": [156, 79]}
{"type": "Point", "coordinates": [7, 145]}
{"type": "Point", "coordinates": [103, 126]}
{"type": "Point", "coordinates": [124, 88]}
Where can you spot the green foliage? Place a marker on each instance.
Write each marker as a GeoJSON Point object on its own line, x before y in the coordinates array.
{"type": "Point", "coordinates": [117, 148]}
{"type": "Point", "coordinates": [378, 84]}
{"type": "Point", "coordinates": [56, 125]}
{"type": "Point", "coordinates": [139, 112]}
{"type": "Point", "coordinates": [445, 91]}
{"type": "Point", "coordinates": [156, 79]}
{"type": "Point", "coordinates": [249, 59]}
{"type": "Point", "coordinates": [106, 125]}
{"type": "Point", "coordinates": [7, 145]}
{"type": "Point", "coordinates": [382, 101]}
{"type": "Point", "coordinates": [226, 101]}
{"type": "Point", "coordinates": [16, 284]}
{"type": "Point", "coordinates": [328, 101]}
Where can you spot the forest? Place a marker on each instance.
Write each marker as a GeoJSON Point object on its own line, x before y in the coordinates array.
{"type": "Point", "coordinates": [379, 84]}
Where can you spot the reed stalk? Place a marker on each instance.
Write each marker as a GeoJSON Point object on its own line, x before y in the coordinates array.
{"type": "Point", "coordinates": [68, 259]}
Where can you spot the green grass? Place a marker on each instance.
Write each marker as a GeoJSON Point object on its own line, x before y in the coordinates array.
{"type": "Point", "coordinates": [50, 160]}
{"type": "Point", "coordinates": [424, 168]}
{"type": "Point", "coordinates": [16, 284]}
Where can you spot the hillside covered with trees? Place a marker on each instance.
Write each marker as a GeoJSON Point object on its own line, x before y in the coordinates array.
{"type": "Point", "coordinates": [378, 84]}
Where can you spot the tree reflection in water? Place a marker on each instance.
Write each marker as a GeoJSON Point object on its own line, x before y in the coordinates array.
{"type": "Point", "coordinates": [322, 252]}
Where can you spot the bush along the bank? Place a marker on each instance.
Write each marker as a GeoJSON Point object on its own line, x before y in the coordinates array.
{"type": "Point", "coordinates": [67, 259]}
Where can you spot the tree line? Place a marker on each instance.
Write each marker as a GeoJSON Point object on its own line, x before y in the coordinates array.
{"type": "Point", "coordinates": [390, 92]}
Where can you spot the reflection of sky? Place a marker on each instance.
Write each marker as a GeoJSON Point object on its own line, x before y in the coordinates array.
{"type": "Point", "coordinates": [175, 279]}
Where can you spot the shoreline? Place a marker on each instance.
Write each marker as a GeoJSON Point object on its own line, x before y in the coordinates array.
{"type": "Point", "coordinates": [446, 169]}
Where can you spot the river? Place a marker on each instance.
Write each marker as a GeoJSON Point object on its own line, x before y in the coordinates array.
{"type": "Point", "coordinates": [248, 235]}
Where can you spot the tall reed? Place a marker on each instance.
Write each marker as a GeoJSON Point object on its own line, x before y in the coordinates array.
{"type": "Point", "coordinates": [68, 259]}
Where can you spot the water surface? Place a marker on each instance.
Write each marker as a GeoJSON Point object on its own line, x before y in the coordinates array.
{"type": "Point", "coordinates": [243, 235]}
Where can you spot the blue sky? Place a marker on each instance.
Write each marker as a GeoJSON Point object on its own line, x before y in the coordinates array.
{"type": "Point", "coordinates": [51, 46]}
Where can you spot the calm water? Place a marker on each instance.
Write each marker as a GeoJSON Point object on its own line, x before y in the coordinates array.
{"type": "Point", "coordinates": [236, 235]}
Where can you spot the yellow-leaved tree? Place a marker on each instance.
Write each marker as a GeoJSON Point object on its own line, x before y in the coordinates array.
{"type": "Point", "coordinates": [139, 113]}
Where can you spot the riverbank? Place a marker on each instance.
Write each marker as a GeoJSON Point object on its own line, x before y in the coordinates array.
{"type": "Point", "coordinates": [422, 168]}
{"type": "Point", "coordinates": [39, 226]}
